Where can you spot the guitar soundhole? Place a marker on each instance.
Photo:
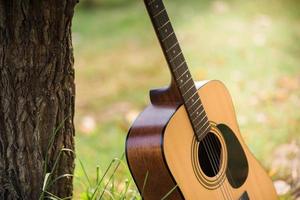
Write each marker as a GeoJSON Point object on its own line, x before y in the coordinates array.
{"type": "Point", "coordinates": [209, 155]}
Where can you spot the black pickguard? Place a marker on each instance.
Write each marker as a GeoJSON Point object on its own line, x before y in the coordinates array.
{"type": "Point", "coordinates": [237, 166]}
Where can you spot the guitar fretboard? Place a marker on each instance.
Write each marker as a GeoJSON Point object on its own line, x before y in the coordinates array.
{"type": "Point", "coordinates": [178, 67]}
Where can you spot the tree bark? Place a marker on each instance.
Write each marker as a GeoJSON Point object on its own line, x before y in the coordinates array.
{"type": "Point", "coordinates": [37, 94]}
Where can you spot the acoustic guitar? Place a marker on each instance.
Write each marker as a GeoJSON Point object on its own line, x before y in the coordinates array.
{"type": "Point", "coordinates": [186, 144]}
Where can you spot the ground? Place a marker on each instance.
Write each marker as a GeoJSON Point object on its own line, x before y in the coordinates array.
{"type": "Point", "coordinates": [253, 47]}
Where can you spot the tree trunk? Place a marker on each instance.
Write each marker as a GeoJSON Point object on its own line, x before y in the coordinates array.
{"type": "Point", "coordinates": [37, 93]}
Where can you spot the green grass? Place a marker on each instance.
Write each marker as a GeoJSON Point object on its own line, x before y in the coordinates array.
{"type": "Point", "coordinates": [253, 47]}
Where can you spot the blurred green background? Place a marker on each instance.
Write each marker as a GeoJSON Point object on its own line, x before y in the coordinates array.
{"type": "Point", "coordinates": [252, 46]}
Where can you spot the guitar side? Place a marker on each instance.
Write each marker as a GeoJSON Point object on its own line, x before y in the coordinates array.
{"type": "Point", "coordinates": [144, 147]}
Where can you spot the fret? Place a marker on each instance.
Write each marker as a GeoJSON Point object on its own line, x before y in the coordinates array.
{"type": "Point", "coordinates": [197, 116]}
{"type": "Point", "coordinates": [195, 119]}
{"type": "Point", "coordinates": [179, 54]}
{"type": "Point", "coordinates": [166, 30]}
{"type": "Point", "coordinates": [185, 83]}
{"type": "Point", "coordinates": [168, 36]}
{"type": "Point", "coordinates": [204, 122]}
{"type": "Point", "coordinates": [196, 124]}
{"type": "Point", "coordinates": [156, 7]}
{"type": "Point", "coordinates": [162, 26]}
{"type": "Point", "coordinates": [161, 19]}
{"type": "Point", "coordinates": [168, 50]}
{"type": "Point", "coordinates": [200, 122]}
{"type": "Point", "coordinates": [201, 132]}
{"type": "Point", "coordinates": [187, 91]}
{"type": "Point", "coordinates": [192, 97]}
{"type": "Point", "coordinates": [196, 111]}
{"type": "Point", "coordinates": [181, 65]}
{"type": "Point", "coordinates": [178, 79]}
{"type": "Point", "coordinates": [193, 102]}
{"type": "Point", "coordinates": [169, 42]}
{"type": "Point", "coordinates": [184, 76]}
{"type": "Point", "coordinates": [177, 62]}
{"type": "Point", "coordinates": [190, 106]}
{"type": "Point", "coordinates": [205, 127]}
{"type": "Point", "coordinates": [193, 108]}
{"type": "Point", "coordinates": [178, 73]}
{"type": "Point", "coordinates": [173, 51]}
{"type": "Point", "coordinates": [159, 13]}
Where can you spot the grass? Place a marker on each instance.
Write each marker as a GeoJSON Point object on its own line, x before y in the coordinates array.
{"type": "Point", "coordinates": [107, 185]}
{"type": "Point", "coordinates": [251, 46]}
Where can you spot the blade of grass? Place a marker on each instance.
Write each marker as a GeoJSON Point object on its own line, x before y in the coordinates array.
{"type": "Point", "coordinates": [102, 178]}
{"type": "Point", "coordinates": [168, 194]}
{"type": "Point", "coordinates": [51, 141]}
{"type": "Point", "coordinates": [66, 198]}
{"type": "Point", "coordinates": [112, 175]}
{"type": "Point", "coordinates": [60, 177]}
{"type": "Point", "coordinates": [124, 193]}
{"type": "Point", "coordinates": [58, 158]}
{"type": "Point", "coordinates": [97, 173]}
{"type": "Point", "coordinates": [145, 181]}
{"type": "Point", "coordinates": [108, 192]}
{"type": "Point", "coordinates": [53, 196]}
{"type": "Point", "coordinates": [112, 189]}
{"type": "Point", "coordinates": [45, 181]}
{"type": "Point", "coordinates": [85, 173]}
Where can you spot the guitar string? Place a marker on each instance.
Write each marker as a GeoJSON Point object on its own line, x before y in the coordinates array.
{"type": "Point", "coordinates": [214, 144]}
{"type": "Point", "coordinates": [223, 189]}
{"type": "Point", "coordinates": [229, 171]}
{"type": "Point", "coordinates": [213, 162]}
{"type": "Point", "coordinates": [214, 165]}
{"type": "Point", "coordinates": [209, 144]}
{"type": "Point", "coordinates": [219, 184]}
{"type": "Point", "coordinates": [230, 174]}
{"type": "Point", "coordinates": [229, 190]}
{"type": "Point", "coordinates": [254, 194]}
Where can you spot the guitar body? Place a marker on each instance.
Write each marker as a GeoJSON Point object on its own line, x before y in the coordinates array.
{"type": "Point", "coordinates": [167, 162]}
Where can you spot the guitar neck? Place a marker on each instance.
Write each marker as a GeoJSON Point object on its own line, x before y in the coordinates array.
{"type": "Point", "coordinates": [178, 67]}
